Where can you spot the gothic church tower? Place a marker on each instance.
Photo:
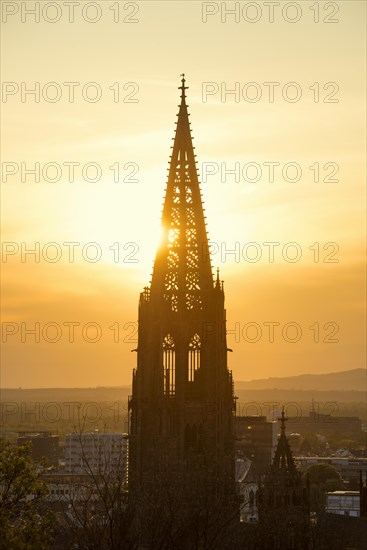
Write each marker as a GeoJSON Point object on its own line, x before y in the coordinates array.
{"type": "Point", "coordinates": [182, 404]}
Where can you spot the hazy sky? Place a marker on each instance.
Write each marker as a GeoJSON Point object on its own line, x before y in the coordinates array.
{"type": "Point", "coordinates": [318, 121]}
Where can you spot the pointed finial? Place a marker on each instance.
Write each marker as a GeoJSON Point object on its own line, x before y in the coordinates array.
{"type": "Point", "coordinates": [183, 87]}
{"type": "Point", "coordinates": [282, 420]}
{"type": "Point", "coordinates": [217, 281]}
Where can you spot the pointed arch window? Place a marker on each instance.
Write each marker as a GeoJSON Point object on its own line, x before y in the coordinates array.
{"type": "Point", "coordinates": [169, 366]}
{"type": "Point", "coordinates": [194, 356]}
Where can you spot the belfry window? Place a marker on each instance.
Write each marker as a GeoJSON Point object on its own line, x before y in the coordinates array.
{"type": "Point", "coordinates": [194, 356]}
{"type": "Point", "coordinates": [169, 367]}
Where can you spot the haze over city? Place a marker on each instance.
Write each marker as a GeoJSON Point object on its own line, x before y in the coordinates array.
{"type": "Point", "coordinates": [323, 290]}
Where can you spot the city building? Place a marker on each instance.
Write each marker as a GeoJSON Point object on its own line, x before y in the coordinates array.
{"type": "Point", "coordinates": [345, 503]}
{"type": "Point", "coordinates": [69, 487]}
{"type": "Point", "coordinates": [348, 503]}
{"type": "Point", "coordinates": [44, 445]}
{"type": "Point", "coordinates": [96, 452]}
{"type": "Point", "coordinates": [256, 439]}
{"type": "Point", "coordinates": [345, 523]}
{"type": "Point", "coordinates": [247, 479]}
{"type": "Point", "coordinates": [182, 406]}
{"type": "Point", "coordinates": [348, 467]}
{"type": "Point", "coordinates": [256, 442]}
{"type": "Point", "coordinates": [326, 424]}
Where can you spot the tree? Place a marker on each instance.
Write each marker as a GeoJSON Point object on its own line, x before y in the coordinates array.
{"type": "Point", "coordinates": [323, 478]}
{"type": "Point", "coordinates": [314, 441]}
{"type": "Point", "coordinates": [305, 447]}
{"type": "Point", "coordinates": [99, 514]}
{"type": "Point", "coordinates": [94, 514]}
{"type": "Point", "coordinates": [320, 473]}
{"type": "Point", "coordinates": [25, 521]}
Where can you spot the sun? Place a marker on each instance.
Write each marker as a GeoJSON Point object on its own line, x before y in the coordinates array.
{"type": "Point", "coordinates": [107, 223]}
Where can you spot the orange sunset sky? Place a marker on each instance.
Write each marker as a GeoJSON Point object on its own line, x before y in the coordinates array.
{"type": "Point", "coordinates": [167, 39]}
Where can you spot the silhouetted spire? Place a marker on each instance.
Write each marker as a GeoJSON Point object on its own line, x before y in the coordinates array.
{"type": "Point", "coordinates": [182, 429]}
{"type": "Point", "coordinates": [283, 458]}
{"type": "Point", "coordinates": [182, 271]}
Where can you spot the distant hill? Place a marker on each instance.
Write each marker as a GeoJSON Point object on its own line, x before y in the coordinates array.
{"type": "Point", "coordinates": [59, 395]}
{"type": "Point", "coordinates": [344, 392]}
{"type": "Point", "coordinates": [350, 380]}
{"type": "Point", "coordinates": [346, 381]}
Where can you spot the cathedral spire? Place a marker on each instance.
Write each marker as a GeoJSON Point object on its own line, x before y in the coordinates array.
{"type": "Point", "coordinates": [283, 458]}
{"type": "Point", "coordinates": [284, 501]}
{"type": "Point", "coordinates": [182, 404]}
{"type": "Point", "coordinates": [182, 272]}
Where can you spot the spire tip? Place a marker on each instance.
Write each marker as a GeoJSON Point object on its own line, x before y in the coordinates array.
{"type": "Point", "coordinates": [183, 87]}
